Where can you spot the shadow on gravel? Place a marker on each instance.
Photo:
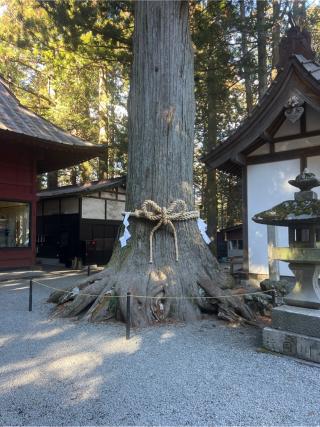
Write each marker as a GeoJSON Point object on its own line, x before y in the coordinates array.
{"type": "Point", "coordinates": [59, 372]}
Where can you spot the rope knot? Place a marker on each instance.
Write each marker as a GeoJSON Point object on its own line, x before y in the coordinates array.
{"type": "Point", "coordinates": [164, 216]}
{"type": "Point", "coordinates": [177, 211]}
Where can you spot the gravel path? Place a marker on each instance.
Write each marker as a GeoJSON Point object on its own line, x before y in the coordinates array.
{"type": "Point", "coordinates": [58, 372]}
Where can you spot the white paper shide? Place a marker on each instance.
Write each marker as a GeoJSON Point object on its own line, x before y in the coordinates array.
{"type": "Point", "coordinates": [203, 230]}
{"type": "Point", "coordinates": [126, 234]}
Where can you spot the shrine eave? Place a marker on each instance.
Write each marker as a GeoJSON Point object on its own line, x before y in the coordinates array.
{"type": "Point", "coordinates": [50, 155]}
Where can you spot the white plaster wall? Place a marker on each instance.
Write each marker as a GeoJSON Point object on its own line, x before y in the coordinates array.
{"type": "Point", "coordinates": [313, 119]}
{"type": "Point", "coordinates": [108, 195]}
{"type": "Point", "coordinates": [93, 208]}
{"type": "Point", "coordinates": [268, 186]}
{"type": "Point", "coordinates": [294, 144]}
{"type": "Point", "coordinates": [264, 149]}
{"type": "Point", "coordinates": [288, 128]}
{"type": "Point", "coordinates": [115, 208]}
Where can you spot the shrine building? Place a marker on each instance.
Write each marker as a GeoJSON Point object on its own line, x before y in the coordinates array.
{"type": "Point", "coordinates": [30, 145]}
{"type": "Point", "coordinates": [276, 142]}
{"type": "Point", "coordinates": [77, 225]}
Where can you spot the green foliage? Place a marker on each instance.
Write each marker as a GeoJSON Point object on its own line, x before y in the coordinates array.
{"type": "Point", "coordinates": [64, 61]}
{"type": "Point", "coordinates": [70, 60]}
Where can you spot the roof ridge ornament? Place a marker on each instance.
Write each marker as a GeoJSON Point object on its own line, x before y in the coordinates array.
{"type": "Point", "coordinates": [297, 41]}
{"type": "Point", "coordinates": [294, 108]}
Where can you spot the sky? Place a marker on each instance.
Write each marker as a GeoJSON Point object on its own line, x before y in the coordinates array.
{"type": "Point", "coordinates": [2, 9]}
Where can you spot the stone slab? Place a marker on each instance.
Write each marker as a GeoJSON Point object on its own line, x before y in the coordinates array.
{"type": "Point", "coordinates": [299, 320]}
{"type": "Point", "coordinates": [291, 344]}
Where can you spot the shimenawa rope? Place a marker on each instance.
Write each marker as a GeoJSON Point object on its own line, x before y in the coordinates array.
{"type": "Point", "coordinates": [177, 211]}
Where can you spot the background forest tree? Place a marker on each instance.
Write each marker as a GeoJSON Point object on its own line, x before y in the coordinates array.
{"type": "Point", "coordinates": [70, 62]}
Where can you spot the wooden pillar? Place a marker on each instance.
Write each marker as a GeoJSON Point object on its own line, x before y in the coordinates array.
{"type": "Point", "coordinates": [274, 273]}
{"type": "Point", "coordinates": [245, 221]}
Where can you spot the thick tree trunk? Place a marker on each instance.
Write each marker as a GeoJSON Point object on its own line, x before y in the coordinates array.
{"type": "Point", "coordinates": [246, 57]}
{"type": "Point", "coordinates": [161, 121]}
{"type": "Point", "coordinates": [52, 180]}
{"type": "Point", "coordinates": [299, 12]}
{"type": "Point", "coordinates": [275, 32]}
{"type": "Point", "coordinates": [262, 47]}
{"type": "Point", "coordinates": [103, 124]}
{"type": "Point", "coordinates": [211, 181]}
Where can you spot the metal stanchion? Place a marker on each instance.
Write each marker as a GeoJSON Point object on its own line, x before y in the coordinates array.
{"type": "Point", "coordinates": [30, 295]}
{"type": "Point", "coordinates": [89, 270]}
{"type": "Point", "coordinates": [128, 323]}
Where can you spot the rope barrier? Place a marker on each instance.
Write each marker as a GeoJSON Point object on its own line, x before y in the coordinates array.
{"type": "Point", "coordinates": [150, 297]}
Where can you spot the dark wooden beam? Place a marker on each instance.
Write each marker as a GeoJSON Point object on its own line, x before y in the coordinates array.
{"type": "Point", "coordinates": [303, 121]}
{"type": "Point", "coordinates": [265, 136]}
{"type": "Point", "coordinates": [297, 136]}
{"type": "Point", "coordinates": [271, 145]}
{"type": "Point", "coordinates": [284, 155]}
{"type": "Point", "coordinates": [239, 159]}
{"type": "Point", "coordinates": [245, 221]}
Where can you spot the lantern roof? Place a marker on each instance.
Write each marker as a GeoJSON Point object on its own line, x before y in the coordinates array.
{"type": "Point", "coordinates": [304, 209]}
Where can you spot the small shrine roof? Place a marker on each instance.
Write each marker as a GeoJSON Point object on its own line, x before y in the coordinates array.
{"type": "Point", "coordinates": [87, 188]}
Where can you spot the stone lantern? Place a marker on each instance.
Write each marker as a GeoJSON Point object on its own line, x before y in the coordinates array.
{"type": "Point", "coordinates": [296, 325]}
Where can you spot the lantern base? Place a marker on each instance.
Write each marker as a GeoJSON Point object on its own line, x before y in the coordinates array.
{"type": "Point", "coordinates": [290, 344]}
{"type": "Point", "coordinates": [295, 332]}
{"type": "Point", "coordinates": [306, 292]}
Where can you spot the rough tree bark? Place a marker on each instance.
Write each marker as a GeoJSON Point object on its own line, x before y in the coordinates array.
{"type": "Point", "coordinates": [246, 57]}
{"type": "Point", "coordinates": [211, 178]}
{"type": "Point", "coordinates": [161, 122]}
{"type": "Point", "coordinates": [275, 32]}
{"type": "Point", "coordinates": [52, 180]}
{"type": "Point", "coordinates": [262, 47]}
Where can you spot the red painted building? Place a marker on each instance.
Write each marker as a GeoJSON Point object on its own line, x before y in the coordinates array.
{"type": "Point", "coordinates": [29, 145]}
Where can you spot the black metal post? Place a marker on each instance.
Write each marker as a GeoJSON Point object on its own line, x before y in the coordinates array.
{"type": "Point", "coordinates": [89, 270]}
{"type": "Point", "coordinates": [30, 295]}
{"type": "Point", "coordinates": [128, 324]}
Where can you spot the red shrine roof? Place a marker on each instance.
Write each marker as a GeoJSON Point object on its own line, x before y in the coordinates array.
{"type": "Point", "coordinates": [57, 148]}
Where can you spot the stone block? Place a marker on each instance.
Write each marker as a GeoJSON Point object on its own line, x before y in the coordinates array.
{"type": "Point", "coordinates": [301, 196]}
{"type": "Point", "coordinates": [299, 320]}
{"type": "Point", "coordinates": [291, 344]}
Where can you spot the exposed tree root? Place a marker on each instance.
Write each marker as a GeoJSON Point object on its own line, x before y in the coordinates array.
{"type": "Point", "coordinates": [165, 290]}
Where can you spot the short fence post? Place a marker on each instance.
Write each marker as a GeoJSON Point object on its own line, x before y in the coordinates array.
{"type": "Point", "coordinates": [30, 295]}
{"type": "Point", "coordinates": [89, 270]}
{"type": "Point", "coordinates": [128, 324]}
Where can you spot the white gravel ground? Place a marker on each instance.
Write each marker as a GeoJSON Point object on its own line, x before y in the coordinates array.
{"type": "Point", "coordinates": [58, 372]}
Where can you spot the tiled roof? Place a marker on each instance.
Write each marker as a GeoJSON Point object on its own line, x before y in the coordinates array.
{"type": "Point", "coordinates": [89, 187]}
{"type": "Point", "coordinates": [312, 67]}
{"type": "Point", "coordinates": [16, 118]}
